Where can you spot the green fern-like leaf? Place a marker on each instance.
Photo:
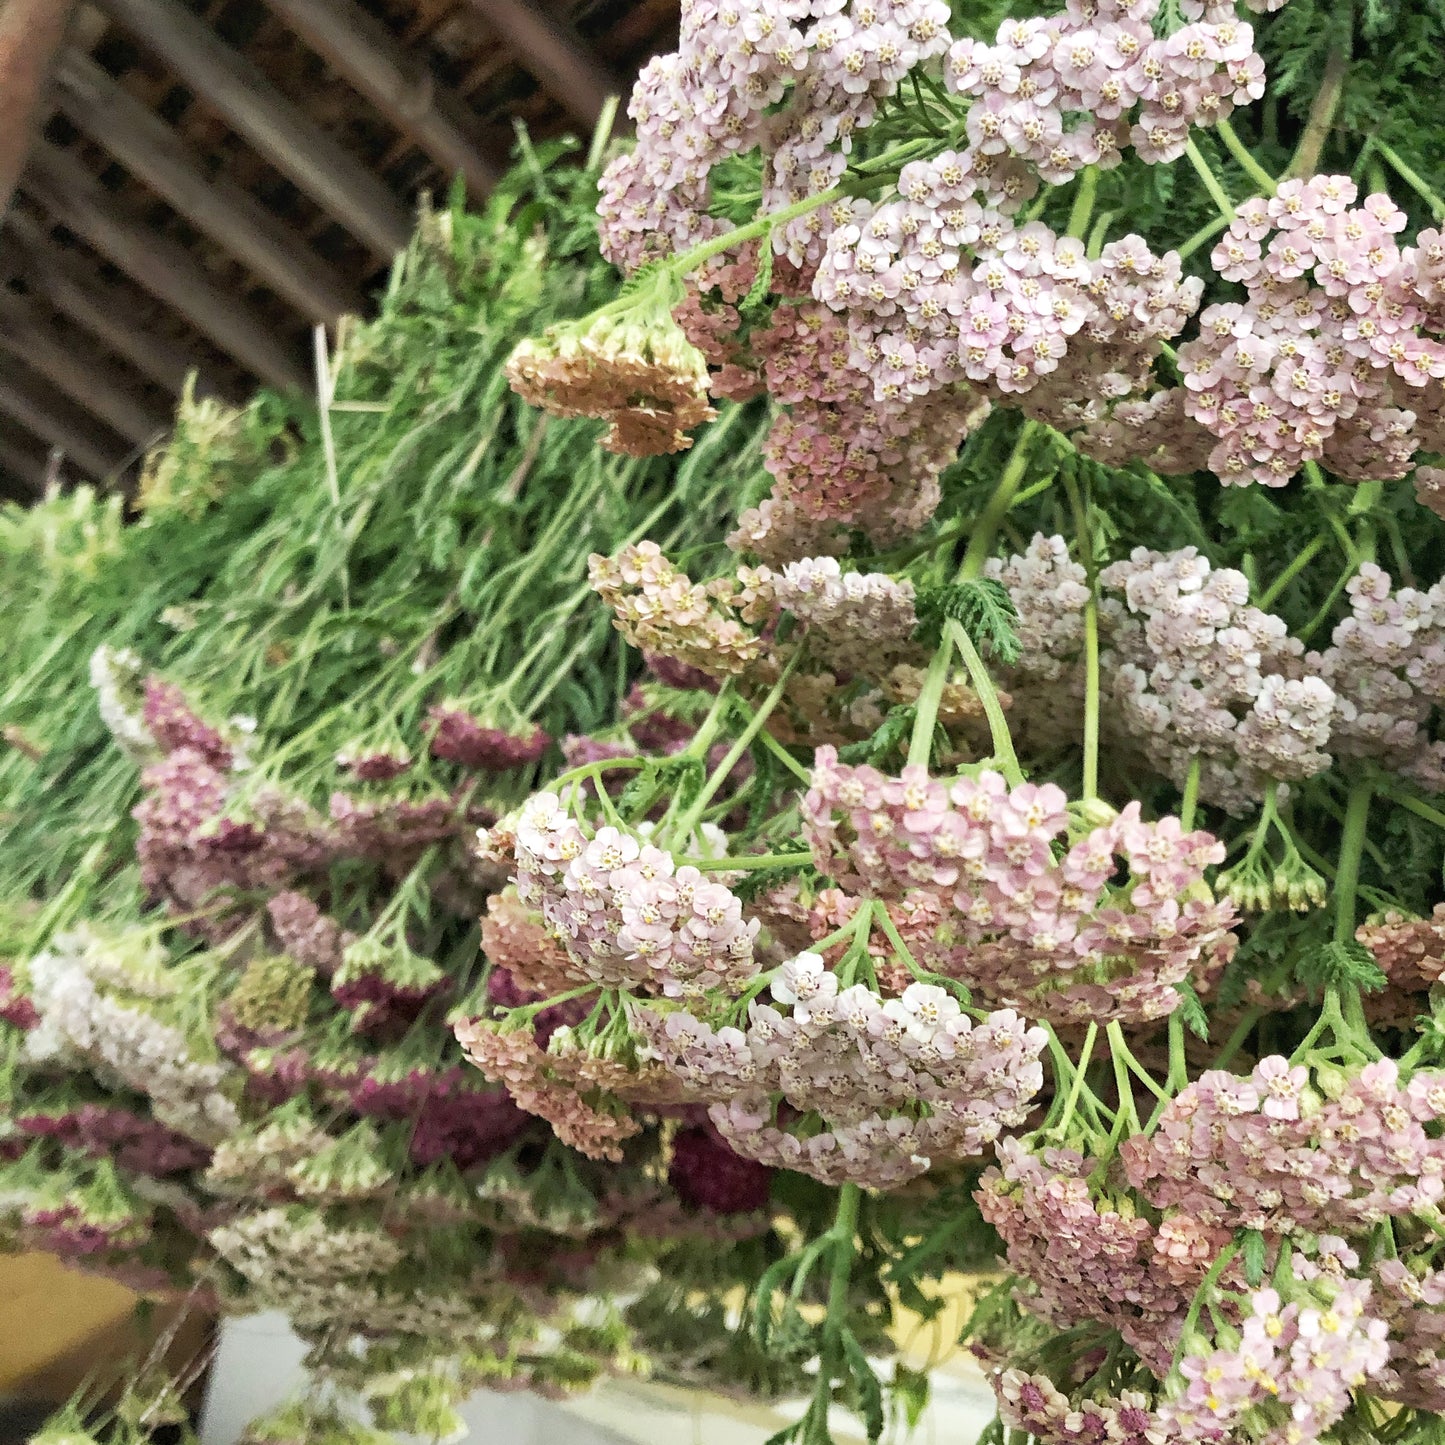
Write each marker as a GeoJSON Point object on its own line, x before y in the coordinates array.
{"type": "Point", "coordinates": [982, 607]}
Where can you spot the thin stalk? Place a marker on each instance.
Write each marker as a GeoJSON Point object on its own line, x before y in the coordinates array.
{"type": "Point", "coordinates": [1083, 207]}
{"type": "Point", "coordinates": [685, 827]}
{"type": "Point", "coordinates": [776, 748]}
{"type": "Point", "coordinates": [1241, 153]}
{"type": "Point", "coordinates": [1211, 182]}
{"type": "Point", "coordinates": [1076, 1083]}
{"type": "Point", "coordinates": [1091, 639]}
{"type": "Point", "coordinates": [1201, 1296]}
{"type": "Point", "coordinates": [985, 529]}
{"type": "Point", "coordinates": [741, 865]}
{"type": "Point", "coordinates": [1419, 809]}
{"type": "Point", "coordinates": [1411, 177]}
{"type": "Point", "coordinates": [1191, 794]}
{"type": "Point", "coordinates": [844, 1234]}
{"type": "Point", "coordinates": [925, 717]}
{"type": "Point", "coordinates": [1328, 605]}
{"type": "Point", "coordinates": [1306, 158]}
{"type": "Point", "coordinates": [1003, 747]}
{"type": "Point", "coordinates": [1298, 563]}
{"type": "Point", "coordinates": [1202, 237]}
{"type": "Point", "coordinates": [765, 225]}
{"type": "Point", "coordinates": [1235, 1041]}
{"type": "Point", "coordinates": [1352, 851]}
{"type": "Point", "coordinates": [1096, 236]}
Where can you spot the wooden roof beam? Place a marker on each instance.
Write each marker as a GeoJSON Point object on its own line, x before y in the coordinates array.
{"type": "Point", "coordinates": [73, 196]}
{"type": "Point", "coordinates": [31, 34]}
{"type": "Point", "coordinates": [552, 51]}
{"type": "Point", "coordinates": [98, 387]}
{"type": "Point", "coordinates": [59, 424]}
{"type": "Point", "coordinates": [399, 84]}
{"type": "Point", "coordinates": [152, 152]}
{"type": "Point", "coordinates": [99, 309]}
{"type": "Point", "coordinates": [27, 468]}
{"type": "Point", "coordinates": [230, 84]}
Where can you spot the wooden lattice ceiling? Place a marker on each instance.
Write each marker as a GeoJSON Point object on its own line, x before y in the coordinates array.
{"type": "Point", "coordinates": [193, 185]}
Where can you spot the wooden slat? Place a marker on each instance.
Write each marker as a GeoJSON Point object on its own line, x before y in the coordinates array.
{"type": "Point", "coordinates": [399, 84]}
{"type": "Point", "coordinates": [72, 195]}
{"type": "Point", "coordinates": [89, 381]}
{"type": "Point", "coordinates": [232, 85]}
{"type": "Point", "coordinates": [59, 423]}
{"type": "Point", "coordinates": [28, 466]}
{"type": "Point", "coordinates": [31, 34]}
{"type": "Point", "coordinates": [555, 54]}
{"type": "Point", "coordinates": [102, 310]}
{"type": "Point", "coordinates": [152, 152]}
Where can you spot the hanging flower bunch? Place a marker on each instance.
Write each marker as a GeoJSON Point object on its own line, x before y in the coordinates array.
{"type": "Point", "coordinates": [1057, 841]}
{"type": "Point", "coordinates": [239, 893]}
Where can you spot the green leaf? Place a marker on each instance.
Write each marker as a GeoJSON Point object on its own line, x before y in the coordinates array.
{"type": "Point", "coordinates": [758, 291]}
{"type": "Point", "coordinates": [1192, 1010]}
{"type": "Point", "coordinates": [981, 606]}
{"type": "Point", "coordinates": [1341, 965]}
{"type": "Point", "coordinates": [870, 1392]}
{"type": "Point", "coordinates": [910, 1393]}
{"type": "Point", "coordinates": [768, 1285]}
{"type": "Point", "coordinates": [891, 736]}
{"type": "Point", "coordinates": [1254, 1252]}
{"type": "Point", "coordinates": [786, 1434]}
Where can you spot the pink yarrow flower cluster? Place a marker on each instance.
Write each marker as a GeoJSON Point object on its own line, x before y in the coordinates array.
{"type": "Point", "coordinates": [1289, 1372]}
{"type": "Point", "coordinates": [1284, 1151]}
{"type": "Point", "coordinates": [1087, 1256]}
{"type": "Point", "coordinates": [795, 80]}
{"type": "Point", "coordinates": [1199, 675]}
{"type": "Point", "coordinates": [1001, 888]}
{"type": "Point", "coordinates": [626, 913]}
{"type": "Point", "coordinates": [939, 289]}
{"type": "Point", "coordinates": [1409, 1295]}
{"type": "Point", "coordinates": [1033, 1403]}
{"type": "Point", "coordinates": [842, 452]}
{"type": "Point", "coordinates": [1330, 357]}
{"type": "Point", "coordinates": [855, 622]}
{"type": "Point", "coordinates": [1075, 89]}
{"type": "Point", "coordinates": [897, 1083]}
{"type": "Point", "coordinates": [1386, 663]}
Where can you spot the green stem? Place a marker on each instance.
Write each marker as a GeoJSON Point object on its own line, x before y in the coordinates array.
{"type": "Point", "coordinates": [1191, 794]}
{"type": "Point", "coordinates": [1096, 236]}
{"type": "Point", "coordinates": [777, 749]}
{"type": "Point", "coordinates": [1083, 207]}
{"type": "Point", "coordinates": [1202, 237]}
{"type": "Point", "coordinates": [1211, 182]}
{"type": "Point", "coordinates": [765, 225]}
{"type": "Point", "coordinates": [711, 725]}
{"type": "Point", "coordinates": [1076, 1084]}
{"type": "Point", "coordinates": [1202, 1296]}
{"type": "Point", "coordinates": [1419, 809]}
{"type": "Point", "coordinates": [1118, 1053]}
{"type": "Point", "coordinates": [742, 865]}
{"type": "Point", "coordinates": [1352, 850]}
{"type": "Point", "coordinates": [1085, 542]}
{"type": "Point", "coordinates": [1003, 747]}
{"type": "Point", "coordinates": [1298, 563]}
{"type": "Point", "coordinates": [925, 716]}
{"type": "Point", "coordinates": [1412, 178]}
{"type": "Point", "coordinates": [1306, 158]}
{"type": "Point", "coordinates": [844, 1233]}
{"type": "Point", "coordinates": [688, 823]}
{"type": "Point", "coordinates": [1235, 1041]}
{"type": "Point", "coordinates": [985, 529]}
{"type": "Point", "coordinates": [1328, 605]}
{"type": "Point", "coordinates": [1240, 152]}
